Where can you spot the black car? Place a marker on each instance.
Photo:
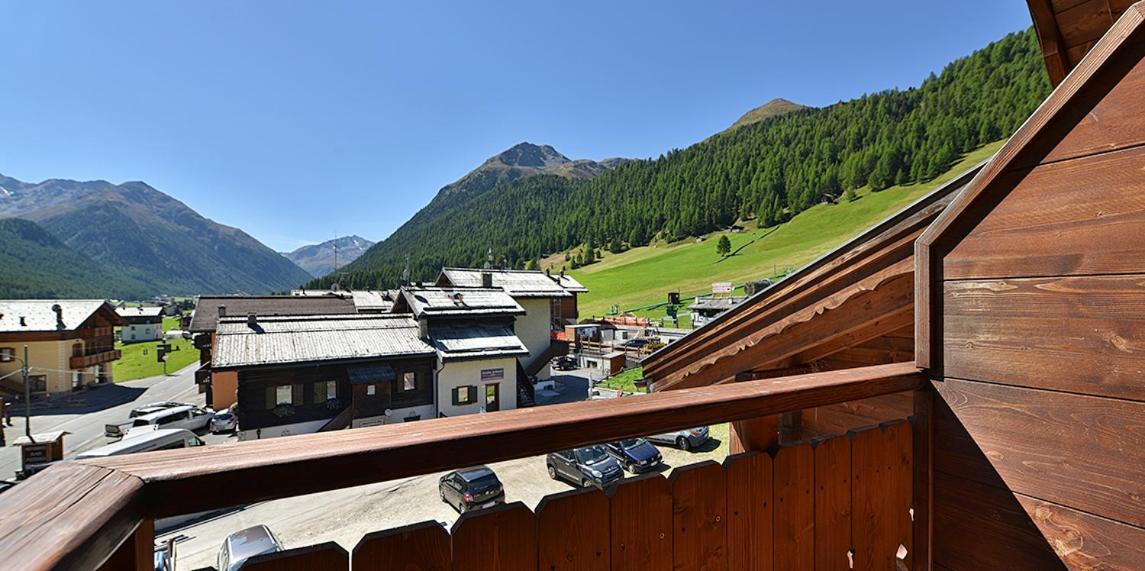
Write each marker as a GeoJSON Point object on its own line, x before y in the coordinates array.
{"type": "Point", "coordinates": [564, 363]}
{"type": "Point", "coordinates": [471, 488]}
{"type": "Point", "coordinates": [588, 466]}
{"type": "Point", "coordinates": [635, 454]}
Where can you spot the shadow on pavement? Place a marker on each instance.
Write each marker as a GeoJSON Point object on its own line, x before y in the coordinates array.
{"type": "Point", "coordinates": [99, 397]}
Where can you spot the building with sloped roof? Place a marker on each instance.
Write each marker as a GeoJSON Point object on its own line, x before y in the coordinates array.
{"type": "Point", "coordinates": [71, 344]}
{"type": "Point", "coordinates": [141, 323]}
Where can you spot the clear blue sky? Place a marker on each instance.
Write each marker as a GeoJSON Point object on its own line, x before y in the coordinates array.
{"type": "Point", "coordinates": [301, 121]}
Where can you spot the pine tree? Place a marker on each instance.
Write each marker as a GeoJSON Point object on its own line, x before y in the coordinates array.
{"type": "Point", "coordinates": [724, 246]}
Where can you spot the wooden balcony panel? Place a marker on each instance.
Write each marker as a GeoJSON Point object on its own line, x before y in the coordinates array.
{"type": "Point", "coordinates": [85, 361]}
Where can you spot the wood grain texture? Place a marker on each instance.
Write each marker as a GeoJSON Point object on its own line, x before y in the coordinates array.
{"type": "Point", "coordinates": [840, 418]}
{"type": "Point", "coordinates": [794, 469]}
{"type": "Point", "coordinates": [881, 495]}
{"type": "Point", "coordinates": [573, 531]}
{"type": "Point", "coordinates": [641, 522]}
{"type": "Point", "coordinates": [419, 547]}
{"type": "Point", "coordinates": [1085, 541]}
{"type": "Point", "coordinates": [699, 517]}
{"type": "Point", "coordinates": [256, 470]}
{"type": "Point", "coordinates": [1074, 217]}
{"type": "Point", "coordinates": [137, 553]}
{"type": "Point", "coordinates": [832, 503]}
{"type": "Point", "coordinates": [922, 427]}
{"type": "Point", "coordinates": [749, 514]}
{"type": "Point", "coordinates": [501, 538]}
{"type": "Point", "coordinates": [1078, 334]}
{"type": "Point", "coordinates": [1079, 451]}
{"type": "Point", "coordinates": [977, 526]}
{"type": "Point", "coordinates": [322, 557]}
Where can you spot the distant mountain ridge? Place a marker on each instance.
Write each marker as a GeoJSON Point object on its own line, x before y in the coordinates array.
{"type": "Point", "coordinates": [35, 264]}
{"type": "Point", "coordinates": [319, 259]}
{"type": "Point", "coordinates": [146, 237]}
{"type": "Point", "coordinates": [773, 108]}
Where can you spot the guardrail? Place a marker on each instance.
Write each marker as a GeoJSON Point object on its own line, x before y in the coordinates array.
{"type": "Point", "coordinates": [81, 514]}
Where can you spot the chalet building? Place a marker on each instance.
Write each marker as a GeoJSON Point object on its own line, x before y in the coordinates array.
{"type": "Point", "coordinates": [472, 330]}
{"type": "Point", "coordinates": [71, 344]}
{"type": "Point", "coordinates": [301, 374]}
{"type": "Point", "coordinates": [549, 301]}
{"type": "Point", "coordinates": [1005, 310]}
{"type": "Point", "coordinates": [141, 323]}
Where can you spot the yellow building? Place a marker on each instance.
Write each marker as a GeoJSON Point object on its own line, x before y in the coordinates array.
{"type": "Point", "coordinates": [70, 342]}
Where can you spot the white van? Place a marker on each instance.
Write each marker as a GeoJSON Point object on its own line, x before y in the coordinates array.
{"type": "Point", "coordinates": [188, 416]}
{"type": "Point", "coordinates": [138, 440]}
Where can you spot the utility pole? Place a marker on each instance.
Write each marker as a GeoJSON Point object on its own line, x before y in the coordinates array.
{"type": "Point", "coordinates": [27, 398]}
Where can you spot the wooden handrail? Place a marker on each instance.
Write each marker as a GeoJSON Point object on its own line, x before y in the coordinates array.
{"type": "Point", "coordinates": [197, 479]}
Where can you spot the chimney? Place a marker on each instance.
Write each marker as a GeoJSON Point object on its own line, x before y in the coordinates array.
{"type": "Point", "coordinates": [23, 321]}
{"type": "Point", "coordinates": [222, 311]}
{"type": "Point", "coordinates": [59, 315]}
{"type": "Point", "coordinates": [486, 279]}
{"type": "Point", "coordinates": [423, 328]}
{"type": "Point", "coordinates": [252, 319]}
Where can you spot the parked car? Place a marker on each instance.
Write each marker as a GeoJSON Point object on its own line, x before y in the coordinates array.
{"type": "Point", "coordinates": [471, 488]}
{"type": "Point", "coordinates": [118, 429]}
{"type": "Point", "coordinates": [187, 416]}
{"type": "Point", "coordinates": [242, 545]}
{"type": "Point", "coordinates": [146, 439]}
{"type": "Point", "coordinates": [565, 363]}
{"type": "Point", "coordinates": [683, 439]}
{"type": "Point", "coordinates": [635, 454]}
{"type": "Point", "coordinates": [588, 466]}
{"type": "Point", "coordinates": [635, 343]}
{"type": "Point", "coordinates": [224, 421]}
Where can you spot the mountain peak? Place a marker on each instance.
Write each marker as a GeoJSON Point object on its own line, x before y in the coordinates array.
{"type": "Point", "coordinates": [773, 108]}
{"type": "Point", "coordinates": [318, 259]}
{"type": "Point", "coordinates": [529, 155]}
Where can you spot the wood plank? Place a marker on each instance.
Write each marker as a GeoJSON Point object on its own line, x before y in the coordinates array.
{"type": "Point", "coordinates": [794, 507]}
{"type": "Point", "coordinates": [832, 503]}
{"type": "Point", "coordinates": [922, 427]}
{"type": "Point", "coordinates": [1085, 541]}
{"type": "Point", "coordinates": [501, 538]}
{"type": "Point", "coordinates": [419, 547]}
{"type": "Point", "coordinates": [321, 557]}
{"type": "Point", "coordinates": [699, 517]}
{"type": "Point", "coordinates": [573, 531]}
{"type": "Point", "coordinates": [1078, 334]}
{"type": "Point", "coordinates": [138, 552]}
{"type": "Point", "coordinates": [843, 417]}
{"type": "Point", "coordinates": [977, 526]}
{"type": "Point", "coordinates": [1066, 218]}
{"type": "Point", "coordinates": [881, 495]}
{"type": "Point", "coordinates": [1078, 451]}
{"type": "Point", "coordinates": [69, 516]}
{"type": "Point", "coordinates": [749, 489]}
{"type": "Point", "coordinates": [640, 518]}
{"type": "Point", "coordinates": [1084, 23]}
{"type": "Point", "coordinates": [256, 470]}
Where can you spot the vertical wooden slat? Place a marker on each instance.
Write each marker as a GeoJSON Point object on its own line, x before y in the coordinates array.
{"type": "Point", "coordinates": [750, 486]}
{"type": "Point", "coordinates": [418, 547]}
{"type": "Point", "coordinates": [573, 531]}
{"type": "Point", "coordinates": [699, 517]}
{"type": "Point", "coordinates": [794, 508]}
{"type": "Point", "coordinates": [832, 503]}
{"type": "Point", "coordinates": [502, 538]}
{"type": "Point", "coordinates": [137, 552]}
{"type": "Point", "coordinates": [881, 494]}
{"type": "Point", "coordinates": [327, 556]}
{"type": "Point", "coordinates": [922, 485]}
{"type": "Point", "coordinates": [640, 517]}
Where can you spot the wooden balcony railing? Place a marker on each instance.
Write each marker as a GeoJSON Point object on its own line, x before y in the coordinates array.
{"type": "Point", "coordinates": [94, 358]}
{"type": "Point", "coordinates": [81, 514]}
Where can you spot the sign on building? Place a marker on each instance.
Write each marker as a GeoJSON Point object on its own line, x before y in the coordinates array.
{"type": "Point", "coordinates": [492, 375]}
{"type": "Point", "coordinates": [722, 287]}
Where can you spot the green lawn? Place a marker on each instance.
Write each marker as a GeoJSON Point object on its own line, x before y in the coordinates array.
{"type": "Point", "coordinates": [625, 381]}
{"type": "Point", "coordinates": [138, 359]}
{"type": "Point", "coordinates": [644, 276]}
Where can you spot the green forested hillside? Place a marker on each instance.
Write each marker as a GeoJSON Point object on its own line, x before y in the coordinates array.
{"type": "Point", "coordinates": [770, 171]}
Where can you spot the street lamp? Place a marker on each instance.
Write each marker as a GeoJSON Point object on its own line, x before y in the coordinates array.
{"type": "Point", "coordinates": [27, 393]}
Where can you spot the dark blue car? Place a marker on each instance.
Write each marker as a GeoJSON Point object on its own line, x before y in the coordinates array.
{"type": "Point", "coordinates": [635, 454]}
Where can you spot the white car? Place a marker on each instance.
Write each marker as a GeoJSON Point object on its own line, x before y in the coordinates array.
{"type": "Point", "coordinates": [189, 417]}
{"type": "Point", "coordinates": [224, 421]}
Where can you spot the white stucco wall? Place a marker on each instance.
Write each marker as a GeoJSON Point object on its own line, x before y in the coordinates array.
{"type": "Point", "coordinates": [283, 430]}
{"type": "Point", "coordinates": [141, 332]}
{"type": "Point", "coordinates": [534, 328]}
{"type": "Point", "coordinates": [396, 415]}
{"type": "Point", "coordinates": [461, 373]}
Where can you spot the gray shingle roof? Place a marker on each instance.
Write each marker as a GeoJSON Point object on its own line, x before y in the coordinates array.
{"type": "Point", "coordinates": [38, 315]}
{"type": "Point", "coordinates": [374, 300]}
{"type": "Point", "coordinates": [303, 339]}
{"type": "Point", "coordinates": [717, 303]}
{"type": "Point", "coordinates": [470, 340]}
{"type": "Point", "coordinates": [152, 311]}
{"type": "Point", "coordinates": [207, 307]}
{"type": "Point", "coordinates": [517, 283]}
{"type": "Point", "coordinates": [437, 301]}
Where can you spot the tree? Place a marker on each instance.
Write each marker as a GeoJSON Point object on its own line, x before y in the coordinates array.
{"type": "Point", "coordinates": [724, 246]}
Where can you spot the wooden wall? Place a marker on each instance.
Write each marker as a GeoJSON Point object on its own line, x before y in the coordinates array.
{"type": "Point", "coordinates": [1039, 431]}
{"type": "Point", "coordinates": [812, 506]}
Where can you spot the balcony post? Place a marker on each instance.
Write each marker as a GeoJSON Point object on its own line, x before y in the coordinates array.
{"type": "Point", "coordinates": [756, 434]}
{"type": "Point", "coordinates": [137, 553]}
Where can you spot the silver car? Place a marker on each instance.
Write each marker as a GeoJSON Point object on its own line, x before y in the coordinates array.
{"type": "Point", "coordinates": [242, 545]}
{"type": "Point", "coordinates": [683, 439]}
{"type": "Point", "coordinates": [224, 421]}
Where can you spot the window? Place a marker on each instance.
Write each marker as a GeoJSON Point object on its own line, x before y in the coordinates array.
{"type": "Point", "coordinates": [7, 354]}
{"type": "Point", "coordinates": [283, 395]}
{"type": "Point", "coordinates": [409, 381]}
{"type": "Point", "coordinates": [325, 391]}
{"type": "Point", "coordinates": [371, 390]}
{"type": "Point", "coordinates": [464, 395]}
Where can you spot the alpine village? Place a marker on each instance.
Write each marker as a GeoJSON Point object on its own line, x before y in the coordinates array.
{"type": "Point", "coordinates": [904, 331]}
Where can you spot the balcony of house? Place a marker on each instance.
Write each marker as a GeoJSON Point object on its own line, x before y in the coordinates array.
{"type": "Point", "coordinates": [856, 499]}
{"type": "Point", "coordinates": [92, 356]}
